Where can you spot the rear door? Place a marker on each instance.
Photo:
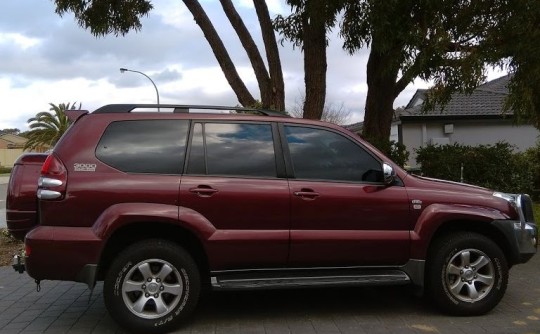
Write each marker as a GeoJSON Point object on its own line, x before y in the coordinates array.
{"type": "Point", "coordinates": [235, 179]}
{"type": "Point", "coordinates": [341, 212]}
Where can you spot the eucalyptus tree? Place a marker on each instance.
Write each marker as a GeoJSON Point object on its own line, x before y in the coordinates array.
{"type": "Point", "coordinates": [450, 43]}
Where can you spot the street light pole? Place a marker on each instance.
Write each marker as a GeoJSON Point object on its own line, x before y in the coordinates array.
{"type": "Point", "coordinates": [122, 70]}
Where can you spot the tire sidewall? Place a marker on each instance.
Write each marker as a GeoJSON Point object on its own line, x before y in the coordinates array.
{"type": "Point", "coordinates": [116, 275]}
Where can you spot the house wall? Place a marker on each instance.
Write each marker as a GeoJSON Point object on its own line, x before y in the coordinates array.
{"type": "Point", "coordinates": [474, 132]}
{"type": "Point", "coordinates": [8, 156]}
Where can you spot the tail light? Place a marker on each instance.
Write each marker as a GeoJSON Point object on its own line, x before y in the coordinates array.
{"type": "Point", "coordinates": [52, 183]}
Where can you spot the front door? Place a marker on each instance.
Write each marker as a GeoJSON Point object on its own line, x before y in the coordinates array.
{"type": "Point", "coordinates": [341, 212]}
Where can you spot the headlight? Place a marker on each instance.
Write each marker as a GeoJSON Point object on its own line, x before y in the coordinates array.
{"type": "Point", "coordinates": [508, 197]}
{"type": "Point", "coordinates": [515, 202]}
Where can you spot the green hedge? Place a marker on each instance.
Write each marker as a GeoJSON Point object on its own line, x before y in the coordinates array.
{"type": "Point", "coordinates": [5, 170]}
{"type": "Point", "coordinates": [496, 167]}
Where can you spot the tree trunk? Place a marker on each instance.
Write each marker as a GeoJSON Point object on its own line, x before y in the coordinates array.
{"type": "Point", "coordinates": [381, 81]}
{"type": "Point", "coordinates": [229, 70]}
{"type": "Point", "coordinates": [315, 58]}
{"type": "Point", "coordinates": [272, 55]}
{"type": "Point", "coordinates": [263, 79]}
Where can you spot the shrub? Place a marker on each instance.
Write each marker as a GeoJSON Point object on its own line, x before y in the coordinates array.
{"type": "Point", "coordinates": [5, 170]}
{"type": "Point", "coordinates": [6, 237]}
{"type": "Point", "coordinates": [394, 150]}
{"type": "Point", "coordinates": [491, 166]}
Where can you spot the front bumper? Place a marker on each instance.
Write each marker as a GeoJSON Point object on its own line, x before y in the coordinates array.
{"type": "Point", "coordinates": [522, 238]}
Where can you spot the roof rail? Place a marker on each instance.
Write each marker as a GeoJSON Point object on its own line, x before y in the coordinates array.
{"type": "Point", "coordinates": [179, 108]}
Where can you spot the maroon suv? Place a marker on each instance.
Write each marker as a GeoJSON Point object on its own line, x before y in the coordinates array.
{"type": "Point", "coordinates": [160, 204]}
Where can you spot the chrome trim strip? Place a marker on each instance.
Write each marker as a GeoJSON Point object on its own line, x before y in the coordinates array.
{"type": "Point", "coordinates": [48, 182]}
{"type": "Point", "coordinates": [48, 194]}
{"type": "Point", "coordinates": [519, 209]}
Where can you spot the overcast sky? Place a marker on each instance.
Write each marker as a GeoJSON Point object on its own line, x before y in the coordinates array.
{"type": "Point", "coordinates": [46, 58]}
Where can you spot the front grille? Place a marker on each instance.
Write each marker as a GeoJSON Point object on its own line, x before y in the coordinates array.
{"type": "Point", "coordinates": [527, 207]}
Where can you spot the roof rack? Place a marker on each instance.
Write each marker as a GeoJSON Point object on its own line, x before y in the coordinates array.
{"type": "Point", "coordinates": [179, 108]}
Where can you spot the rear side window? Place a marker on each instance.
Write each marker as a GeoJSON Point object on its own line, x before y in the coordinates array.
{"type": "Point", "coordinates": [236, 149]}
{"type": "Point", "coordinates": [145, 146]}
{"type": "Point", "coordinates": [325, 155]}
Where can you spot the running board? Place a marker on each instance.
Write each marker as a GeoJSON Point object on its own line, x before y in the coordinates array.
{"type": "Point", "coordinates": [240, 281]}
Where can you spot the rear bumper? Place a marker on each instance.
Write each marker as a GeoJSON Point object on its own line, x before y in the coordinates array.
{"type": "Point", "coordinates": [62, 253]}
{"type": "Point", "coordinates": [19, 223]}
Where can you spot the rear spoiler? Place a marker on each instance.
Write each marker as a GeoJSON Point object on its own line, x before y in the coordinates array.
{"type": "Point", "coordinates": [74, 114]}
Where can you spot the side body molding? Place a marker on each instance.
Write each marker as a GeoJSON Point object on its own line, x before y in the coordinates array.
{"type": "Point", "coordinates": [435, 215]}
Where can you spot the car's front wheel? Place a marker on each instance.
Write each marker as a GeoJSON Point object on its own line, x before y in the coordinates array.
{"type": "Point", "coordinates": [152, 286]}
{"type": "Point", "coordinates": [467, 273]}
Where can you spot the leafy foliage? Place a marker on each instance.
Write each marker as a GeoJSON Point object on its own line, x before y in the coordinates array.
{"type": "Point", "coordinates": [392, 149]}
{"type": "Point", "coordinates": [12, 131]}
{"type": "Point", "coordinates": [46, 128]}
{"type": "Point", "coordinates": [104, 17]}
{"type": "Point", "coordinates": [293, 27]}
{"type": "Point", "coordinates": [5, 170]}
{"type": "Point", "coordinates": [518, 46]}
{"type": "Point", "coordinates": [449, 42]}
{"type": "Point", "coordinates": [532, 155]}
{"type": "Point", "coordinates": [6, 237]}
{"type": "Point", "coordinates": [496, 166]}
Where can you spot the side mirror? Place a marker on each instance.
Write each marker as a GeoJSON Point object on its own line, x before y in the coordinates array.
{"type": "Point", "coordinates": [389, 174]}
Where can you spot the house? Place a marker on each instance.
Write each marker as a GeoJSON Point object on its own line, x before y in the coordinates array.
{"type": "Point", "coordinates": [469, 119]}
{"type": "Point", "coordinates": [11, 147]}
{"type": "Point", "coordinates": [11, 141]}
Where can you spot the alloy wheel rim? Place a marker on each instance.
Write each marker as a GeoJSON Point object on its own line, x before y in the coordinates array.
{"type": "Point", "coordinates": [152, 288]}
{"type": "Point", "coordinates": [470, 275]}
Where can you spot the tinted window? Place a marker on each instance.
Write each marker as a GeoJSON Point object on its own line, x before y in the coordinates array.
{"type": "Point", "coordinates": [325, 155]}
{"type": "Point", "coordinates": [146, 146]}
{"type": "Point", "coordinates": [234, 149]}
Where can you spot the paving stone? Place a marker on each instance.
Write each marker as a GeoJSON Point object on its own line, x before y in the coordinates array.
{"type": "Point", "coordinates": [64, 307]}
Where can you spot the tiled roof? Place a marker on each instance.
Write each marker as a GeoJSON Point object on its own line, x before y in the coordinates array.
{"type": "Point", "coordinates": [486, 100]}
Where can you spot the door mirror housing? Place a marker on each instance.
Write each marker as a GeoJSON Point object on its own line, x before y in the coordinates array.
{"type": "Point", "coordinates": [389, 174]}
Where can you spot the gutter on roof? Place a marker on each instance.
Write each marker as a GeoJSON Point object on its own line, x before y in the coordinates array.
{"type": "Point", "coordinates": [433, 118]}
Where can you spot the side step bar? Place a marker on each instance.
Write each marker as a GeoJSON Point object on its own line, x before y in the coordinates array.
{"type": "Point", "coordinates": [253, 281]}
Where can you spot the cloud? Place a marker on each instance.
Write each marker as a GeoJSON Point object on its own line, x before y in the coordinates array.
{"type": "Point", "coordinates": [168, 75]}
{"type": "Point", "coordinates": [48, 58]}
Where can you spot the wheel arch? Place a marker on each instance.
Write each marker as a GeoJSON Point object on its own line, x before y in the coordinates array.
{"type": "Point", "coordinates": [481, 227]}
{"type": "Point", "coordinates": [132, 233]}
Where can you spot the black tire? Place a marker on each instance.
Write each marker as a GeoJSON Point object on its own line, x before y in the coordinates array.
{"type": "Point", "coordinates": [152, 286]}
{"type": "Point", "coordinates": [466, 274]}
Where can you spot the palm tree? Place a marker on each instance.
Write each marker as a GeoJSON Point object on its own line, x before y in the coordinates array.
{"type": "Point", "coordinates": [47, 127]}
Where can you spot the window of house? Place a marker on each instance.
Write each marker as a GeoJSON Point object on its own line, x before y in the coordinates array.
{"type": "Point", "coordinates": [240, 149]}
{"type": "Point", "coordinates": [325, 155]}
{"type": "Point", "coordinates": [144, 146]}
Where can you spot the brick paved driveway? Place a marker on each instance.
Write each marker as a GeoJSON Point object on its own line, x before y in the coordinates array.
{"type": "Point", "coordinates": [63, 307]}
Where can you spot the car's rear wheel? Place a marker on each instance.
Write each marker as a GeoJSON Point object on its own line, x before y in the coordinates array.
{"type": "Point", "coordinates": [467, 273]}
{"type": "Point", "coordinates": [152, 286]}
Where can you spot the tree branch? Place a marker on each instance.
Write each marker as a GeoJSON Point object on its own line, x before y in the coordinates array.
{"type": "Point", "coordinates": [244, 96]}
{"type": "Point", "coordinates": [272, 54]}
{"type": "Point", "coordinates": [263, 78]}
